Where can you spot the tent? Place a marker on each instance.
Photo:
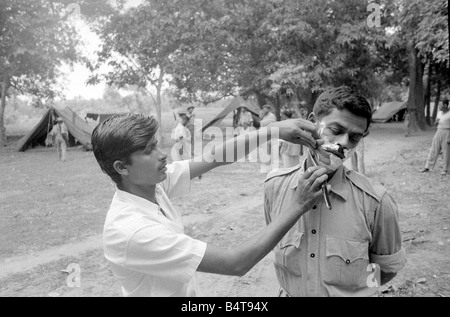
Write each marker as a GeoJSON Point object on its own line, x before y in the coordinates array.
{"type": "Point", "coordinates": [388, 110]}
{"type": "Point", "coordinates": [79, 130]}
{"type": "Point", "coordinates": [236, 103]}
{"type": "Point", "coordinates": [99, 117]}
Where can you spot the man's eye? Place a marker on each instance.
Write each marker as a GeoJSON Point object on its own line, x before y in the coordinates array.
{"type": "Point", "coordinates": [355, 139]}
{"type": "Point", "coordinates": [335, 131]}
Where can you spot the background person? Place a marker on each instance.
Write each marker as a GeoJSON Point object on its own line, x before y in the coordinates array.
{"type": "Point", "coordinates": [60, 138]}
{"type": "Point", "coordinates": [440, 142]}
{"type": "Point", "coordinates": [245, 123]}
{"type": "Point", "coordinates": [182, 136]}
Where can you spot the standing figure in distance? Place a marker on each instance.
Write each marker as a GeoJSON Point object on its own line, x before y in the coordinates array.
{"type": "Point", "coordinates": [181, 150]}
{"type": "Point", "coordinates": [440, 142]}
{"type": "Point", "coordinates": [60, 137]}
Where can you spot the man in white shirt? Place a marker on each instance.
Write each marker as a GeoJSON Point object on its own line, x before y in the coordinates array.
{"type": "Point", "coordinates": [143, 236]}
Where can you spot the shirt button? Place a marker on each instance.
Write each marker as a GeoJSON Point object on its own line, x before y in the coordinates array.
{"type": "Point", "coordinates": [314, 232]}
{"type": "Point", "coordinates": [313, 255]}
{"type": "Point", "coordinates": [348, 261]}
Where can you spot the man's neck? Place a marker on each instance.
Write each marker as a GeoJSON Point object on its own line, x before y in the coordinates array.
{"type": "Point", "coordinates": [148, 193]}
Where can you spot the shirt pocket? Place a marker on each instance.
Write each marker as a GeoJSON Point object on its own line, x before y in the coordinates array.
{"type": "Point", "coordinates": [346, 262]}
{"type": "Point", "coordinates": [287, 253]}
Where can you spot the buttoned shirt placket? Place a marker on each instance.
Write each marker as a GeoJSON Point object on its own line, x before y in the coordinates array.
{"type": "Point", "coordinates": [312, 233]}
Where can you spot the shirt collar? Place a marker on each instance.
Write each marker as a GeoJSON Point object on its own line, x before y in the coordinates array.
{"type": "Point", "coordinates": [338, 182]}
{"type": "Point", "coordinates": [137, 201]}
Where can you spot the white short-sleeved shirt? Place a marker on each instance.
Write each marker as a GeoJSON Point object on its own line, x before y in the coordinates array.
{"type": "Point", "coordinates": [147, 251]}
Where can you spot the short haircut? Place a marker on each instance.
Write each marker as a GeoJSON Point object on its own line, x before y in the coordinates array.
{"type": "Point", "coordinates": [445, 102]}
{"type": "Point", "coordinates": [118, 137]}
{"type": "Point", "coordinates": [343, 98]}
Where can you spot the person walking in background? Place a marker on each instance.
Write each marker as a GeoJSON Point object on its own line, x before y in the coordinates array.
{"type": "Point", "coordinates": [181, 151]}
{"type": "Point", "coordinates": [267, 116]}
{"type": "Point", "coordinates": [407, 123]}
{"type": "Point", "coordinates": [290, 152]}
{"type": "Point", "coordinates": [245, 123]}
{"type": "Point", "coordinates": [190, 126]}
{"type": "Point", "coordinates": [60, 138]}
{"type": "Point", "coordinates": [440, 142]}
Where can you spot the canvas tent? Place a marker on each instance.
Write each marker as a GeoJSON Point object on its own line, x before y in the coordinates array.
{"type": "Point", "coordinates": [388, 110]}
{"type": "Point", "coordinates": [235, 104]}
{"type": "Point", "coordinates": [79, 131]}
{"type": "Point", "coordinates": [99, 117]}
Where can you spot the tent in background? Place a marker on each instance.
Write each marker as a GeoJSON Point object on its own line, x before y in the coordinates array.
{"type": "Point", "coordinates": [235, 104]}
{"type": "Point", "coordinates": [79, 130]}
{"type": "Point", "coordinates": [99, 117]}
{"type": "Point", "coordinates": [387, 111]}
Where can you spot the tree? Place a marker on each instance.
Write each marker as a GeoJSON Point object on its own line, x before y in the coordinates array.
{"type": "Point", "coordinates": [139, 44]}
{"type": "Point", "coordinates": [282, 51]}
{"type": "Point", "coordinates": [423, 28]}
{"type": "Point", "coordinates": [35, 40]}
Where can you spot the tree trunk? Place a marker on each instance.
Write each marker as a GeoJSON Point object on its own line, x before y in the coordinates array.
{"type": "Point", "coordinates": [416, 92]}
{"type": "Point", "coordinates": [278, 107]}
{"type": "Point", "coordinates": [436, 101]}
{"type": "Point", "coordinates": [5, 86]}
{"type": "Point", "coordinates": [158, 105]}
{"type": "Point", "coordinates": [428, 95]}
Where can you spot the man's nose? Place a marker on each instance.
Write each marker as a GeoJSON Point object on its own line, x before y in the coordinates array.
{"type": "Point", "coordinates": [343, 141]}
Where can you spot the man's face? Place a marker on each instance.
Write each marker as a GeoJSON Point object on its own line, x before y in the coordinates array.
{"type": "Point", "coordinates": [147, 167]}
{"type": "Point", "coordinates": [191, 110]}
{"type": "Point", "coordinates": [342, 132]}
{"type": "Point", "coordinates": [343, 127]}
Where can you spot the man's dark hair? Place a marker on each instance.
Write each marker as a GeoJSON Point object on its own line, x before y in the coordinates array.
{"type": "Point", "coordinates": [118, 137]}
{"type": "Point", "coordinates": [343, 98]}
{"type": "Point", "coordinates": [445, 101]}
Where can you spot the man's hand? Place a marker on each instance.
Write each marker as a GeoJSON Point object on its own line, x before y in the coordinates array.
{"type": "Point", "coordinates": [308, 190]}
{"type": "Point", "coordinates": [298, 131]}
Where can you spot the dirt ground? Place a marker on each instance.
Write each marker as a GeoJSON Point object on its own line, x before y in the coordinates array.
{"type": "Point", "coordinates": [52, 213]}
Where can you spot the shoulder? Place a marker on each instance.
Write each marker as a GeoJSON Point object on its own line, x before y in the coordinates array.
{"type": "Point", "coordinates": [370, 187]}
{"type": "Point", "coordinates": [281, 173]}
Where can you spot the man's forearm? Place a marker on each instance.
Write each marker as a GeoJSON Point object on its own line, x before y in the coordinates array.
{"type": "Point", "coordinates": [240, 260]}
{"type": "Point", "coordinates": [237, 148]}
{"type": "Point", "coordinates": [230, 151]}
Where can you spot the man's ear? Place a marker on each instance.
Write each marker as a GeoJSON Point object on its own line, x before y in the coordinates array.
{"type": "Point", "coordinates": [312, 117]}
{"type": "Point", "coordinates": [120, 168]}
